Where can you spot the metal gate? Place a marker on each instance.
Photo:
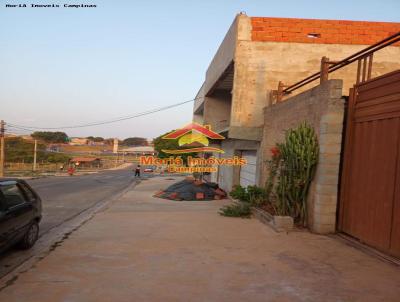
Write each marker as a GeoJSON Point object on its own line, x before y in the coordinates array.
{"type": "Point", "coordinates": [370, 184]}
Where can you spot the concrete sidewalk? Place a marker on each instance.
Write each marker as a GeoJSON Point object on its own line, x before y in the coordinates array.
{"type": "Point", "coordinates": [147, 249]}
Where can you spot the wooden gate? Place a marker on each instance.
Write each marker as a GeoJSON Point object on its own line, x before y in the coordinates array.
{"type": "Point", "coordinates": [370, 185]}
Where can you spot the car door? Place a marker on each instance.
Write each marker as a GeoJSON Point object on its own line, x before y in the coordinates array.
{"type": "Point", "coordinates": [31, 197]}
{"type": "Point", "coordinates": [18, 210]}
{"type": "Point", "coordinates": [6, 226]}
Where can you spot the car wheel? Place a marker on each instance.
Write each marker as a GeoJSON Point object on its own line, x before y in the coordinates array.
{"type": "Point", "coordinates": [30, 236]}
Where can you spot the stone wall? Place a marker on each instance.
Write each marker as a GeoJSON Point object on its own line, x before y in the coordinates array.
{"type": "Point", "coordinates": [323, 108]}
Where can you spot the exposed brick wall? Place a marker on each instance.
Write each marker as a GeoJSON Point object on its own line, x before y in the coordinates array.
{"type": "Point", "coordinates": [330, 31]}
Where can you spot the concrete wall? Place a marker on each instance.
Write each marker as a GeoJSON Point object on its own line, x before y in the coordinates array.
{"type": "Point", "coordinates": [198, 118]}
{"type": "Point", "coordinates": [268, 50]}
{"type": "Point", "coordinates": [260, 63]}
{"type": "Point", "coordinates": [199, 99]}
{"type": "Point", "coordinates": [198, 108]}
{"type": "Point", "coordinates": [217, 110]}
{"type": "Point", "coordinates": [323, 108]}
{"type": "Point", "coordinates": [292, 62]}
{"type": "Point", "coordinates": [250, 79]}
{"type": "Point", "coordinates": [223, 57]}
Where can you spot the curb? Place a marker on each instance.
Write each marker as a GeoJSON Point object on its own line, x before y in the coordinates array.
{"type": "Point", "coordinates": [277, 223]}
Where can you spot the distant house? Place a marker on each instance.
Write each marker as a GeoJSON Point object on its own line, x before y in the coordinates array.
{"type": "Point", "coordinates": [78, 141]}
{"type": "Point", "coordinates": [53, 148]}
{"type": "Point", "coordinates": [24, 137]}
{"type": "Point", "coordinates": [140, 150]}
{"type": "Point", "coordinates": [93, 143]}
{"type": "Point", "coordinates": [86, 162]}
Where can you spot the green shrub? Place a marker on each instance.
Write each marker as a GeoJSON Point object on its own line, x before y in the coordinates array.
{"type": "Point", "coordinates": [256, 195]}
{"type": "Point", "coordinates": [252, 194]}
{"type": "Point", "coordinates": [240, 193]}
{"type": "Point", "coordinates": [240, 209]}
{"type": "Point", "coordinates": [57, 158]}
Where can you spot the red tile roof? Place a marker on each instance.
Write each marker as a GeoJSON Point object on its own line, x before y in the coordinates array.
{"type": "Point", "coordinates": [84, 159]}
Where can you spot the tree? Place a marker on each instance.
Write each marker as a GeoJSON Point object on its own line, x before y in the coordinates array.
{"type": "Point", "coordinates": [96, 139]}
{"type": "Point", "coordinates": [20, 150]}
{"type": "Point", "coordinates": [50, 137]}
{"type": "Point", "coordinates": [169, 144]}
{"type": "Point", "coordinates": [135, 141]}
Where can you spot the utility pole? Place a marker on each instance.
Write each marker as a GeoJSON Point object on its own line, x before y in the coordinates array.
{"type": "Point", "coordinates": [115, 150]}
{"type": "Point", "coordinates": [34, 156]}
{"type": "Point", "coordinates": [2, 148]}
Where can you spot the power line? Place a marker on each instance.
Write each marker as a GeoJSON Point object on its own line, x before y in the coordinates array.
{"type": "Point", "coordinates": [115, 120]}
{"type": "Point", "coordinates": [12, 130]}
{"type": "Point", "coordinates": [18, 128]}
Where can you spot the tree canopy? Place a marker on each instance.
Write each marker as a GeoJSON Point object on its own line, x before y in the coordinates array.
{"type": "Point", "coordinates": [50, 137]}
{"type": "Point", "coordinates": [169, 144]}
{"type": "Point", "coordinates": [20, 150]}
{"type": "Point", "coordinates": [135, 141]}
{"type": "Point", "coordinates": [96, 139]}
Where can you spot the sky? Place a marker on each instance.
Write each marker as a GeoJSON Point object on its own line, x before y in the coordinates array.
{"type": "Point", "coordinates": [68, 66]}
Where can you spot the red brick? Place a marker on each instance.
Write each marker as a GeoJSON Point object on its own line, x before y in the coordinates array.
{"type": "Point", "coordinates": [284, 39]}
{"type": "Point", "coordinates": [295, 29]}
{"type": "Point", "coordinates": [258, 23]}
{"type": "Point", "coordinates": [199, 195]}
{"type": "Point", "coordinates": [332, 31]}
{"type": "Point", "coordinates": [277, 23]}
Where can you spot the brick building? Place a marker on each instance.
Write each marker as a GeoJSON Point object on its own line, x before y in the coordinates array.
{"type": "Point", "coordinates": [257, 53]}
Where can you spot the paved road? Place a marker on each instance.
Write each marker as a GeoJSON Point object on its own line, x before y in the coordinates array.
{"type": "Point", "coordinates": [66, 197]}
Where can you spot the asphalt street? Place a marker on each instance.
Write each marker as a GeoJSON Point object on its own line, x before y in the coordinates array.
{"type": "Point", "coordinates": [63, 198]}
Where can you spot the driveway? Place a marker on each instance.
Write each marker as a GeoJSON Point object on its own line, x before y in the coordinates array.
{"type": "Point", "coordinates": [148, 249]}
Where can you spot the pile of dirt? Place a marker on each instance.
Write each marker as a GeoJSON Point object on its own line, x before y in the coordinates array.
{"type": "Point", "coordinates": [192, 189]}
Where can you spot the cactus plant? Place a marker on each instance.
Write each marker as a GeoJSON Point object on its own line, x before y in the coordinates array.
{"type": "Point", "coordinates": [298, 160]}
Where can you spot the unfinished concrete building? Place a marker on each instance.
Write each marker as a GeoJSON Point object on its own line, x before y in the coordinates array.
{"type": "Point", "coordinates": [254, 56]}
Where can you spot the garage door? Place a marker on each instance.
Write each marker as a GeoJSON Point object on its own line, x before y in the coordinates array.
{"type": "Point", "coordinates": [248, 171]}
